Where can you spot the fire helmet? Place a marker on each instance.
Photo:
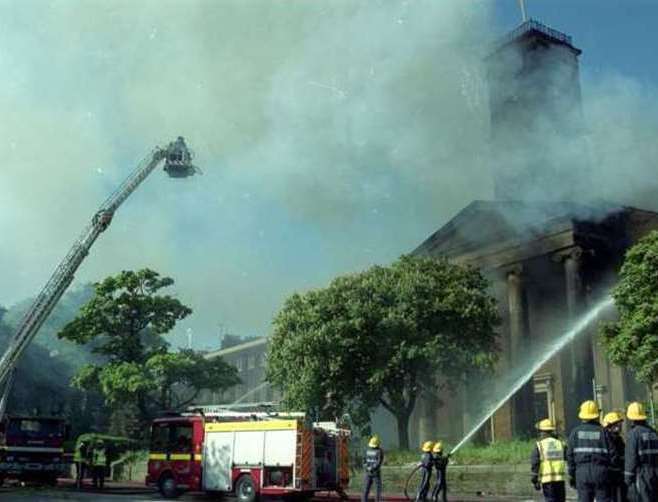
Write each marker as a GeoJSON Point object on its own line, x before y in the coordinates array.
{"type": "Point", "coordinates": [589, 410]}
{"type": "Point", "coordinates": [438, 447]}
{"type": "Point", "coordinates": [374, 442]}
{"type": "Point", "coordinates": [427, 446]}
{"type": "Point", "coordinates": [546, 425]}
{"type": "Point", "coordinates": [612, 418]}
{"type": "Point", "coordinates": [636, 412]}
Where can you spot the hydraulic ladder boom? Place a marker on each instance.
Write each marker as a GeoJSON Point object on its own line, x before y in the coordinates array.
{"type": "Point", "coordinates": [178, 164]}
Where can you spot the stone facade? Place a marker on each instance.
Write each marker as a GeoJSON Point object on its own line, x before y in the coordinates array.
{"type": "Point", "coordinates": [548, 264]}
{"type": "Point", "coordinates": [250, 359]}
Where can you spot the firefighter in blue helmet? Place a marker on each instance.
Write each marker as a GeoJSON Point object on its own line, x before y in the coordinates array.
{"type": "Point", "coordinates": [426, 463]}
{"type": "Point", "coordinates": [548, 463]}
{"type": "Point", "coordinates": [590, 455]}
{"type": "Point", "coordinates": [372, 464]}
{"type": "Point", "coordinates": [440, 462]}
{"type": "Point", "coordinates": [641, 456]}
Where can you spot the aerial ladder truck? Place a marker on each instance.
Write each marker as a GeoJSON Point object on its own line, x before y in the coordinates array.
{"type": "Point", "coordinates": [31, 447]}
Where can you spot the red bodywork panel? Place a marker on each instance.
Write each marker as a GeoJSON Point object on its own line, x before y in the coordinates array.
{"type": "Point", "coordinates": [179, 459]}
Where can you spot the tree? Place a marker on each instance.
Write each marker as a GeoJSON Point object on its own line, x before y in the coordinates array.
{"type": "Point", "coordinates": [124, 322]}
{"type": "Point", "coordinates": [379, 338]}
{"type": "Point", "coordinates": [632, 340]}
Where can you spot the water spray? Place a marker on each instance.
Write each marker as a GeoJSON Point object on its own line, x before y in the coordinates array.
{"type": "Point", "coordinates": [550, 351]}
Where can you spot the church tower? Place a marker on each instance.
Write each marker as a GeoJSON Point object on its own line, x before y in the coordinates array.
{"type": "Point", "coordinates": [537, 146]}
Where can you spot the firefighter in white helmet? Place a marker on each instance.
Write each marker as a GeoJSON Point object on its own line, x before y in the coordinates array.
{"type": "Point", "coordinates": [549, 463]}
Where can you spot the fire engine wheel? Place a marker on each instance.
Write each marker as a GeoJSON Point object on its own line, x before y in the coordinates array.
{"type": "Point", "coordinates": [167, 487]}
{"type": "Point", "coordinates": [245, 489]}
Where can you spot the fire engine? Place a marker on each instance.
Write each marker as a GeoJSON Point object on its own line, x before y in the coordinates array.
{"type": "Point", "coordinates": [31, 448]}
{"type": "Point", "coordinates": [248, 454]}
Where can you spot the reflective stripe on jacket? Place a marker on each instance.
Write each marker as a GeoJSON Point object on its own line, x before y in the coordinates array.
{"type": "Point", "coordinates": [552, 465]}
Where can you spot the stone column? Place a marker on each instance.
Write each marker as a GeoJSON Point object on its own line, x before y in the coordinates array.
{"type": "Point", "coordinates": [578, 357]}
{"type": "Point", "coordinates": [522, 407]}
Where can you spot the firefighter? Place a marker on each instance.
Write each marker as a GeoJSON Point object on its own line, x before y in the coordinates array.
{"type": "Point", "coordinates": [80, 460]}
{"type": "Point", "coordinates": [641, 456]}
{"type": "Point", "coordinates": [372, 464]}
{"type": "Point", "coordinates": [98, 464]}
{"type": "Point", "coordinates": [613, 422]}
{"type": "Point", "coordinates": [548, 463]}
{"type": "Point", "coordinates": [426, 468]}
{"type": "Point", "coordinates": [590, 455]}
{"type": "Point", "coordinates": [440, 463]}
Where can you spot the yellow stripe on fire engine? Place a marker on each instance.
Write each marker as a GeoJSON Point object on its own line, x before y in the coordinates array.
{"type": "Point", "coordinates": [264, 425]}
{"type": "Point", "coordinates": [157, 456]}
{"type": "Point", "coordinates": [180, 456]}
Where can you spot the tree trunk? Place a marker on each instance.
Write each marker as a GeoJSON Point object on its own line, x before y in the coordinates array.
{"type": "Point", "coordinates": [403, 430]}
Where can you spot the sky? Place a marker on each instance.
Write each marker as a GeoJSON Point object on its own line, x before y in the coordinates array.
{"type": "Point", "coordinates": [332, 135]}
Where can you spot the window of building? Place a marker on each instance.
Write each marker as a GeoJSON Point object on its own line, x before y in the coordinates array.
{"type": "Point", "coordinates": [544, 404]}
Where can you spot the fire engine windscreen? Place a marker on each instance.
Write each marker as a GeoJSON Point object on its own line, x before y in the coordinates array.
{"type": "Point", "coordinates": [34, 429]}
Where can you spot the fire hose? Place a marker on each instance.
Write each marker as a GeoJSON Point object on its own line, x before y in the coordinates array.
{"type": "Point", "coordinates": [411, 475]}
{"type": "Point", "coordinates": [406, 484]}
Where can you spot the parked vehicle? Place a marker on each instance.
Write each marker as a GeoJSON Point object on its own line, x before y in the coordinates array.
{"type": "Point", "coordinates": [32, 448]}
{"type": "Point", "coordinates": [247, 454]}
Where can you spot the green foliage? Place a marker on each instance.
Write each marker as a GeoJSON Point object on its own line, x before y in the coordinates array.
{"type": "Point", "coordinates": [632, 341]}
{"type": "Point", "coordinates": [380, 336]}
{"type": "Point", "coordinates": [125, 321]}
{"type": "Point", "coordinates": [501, 452]}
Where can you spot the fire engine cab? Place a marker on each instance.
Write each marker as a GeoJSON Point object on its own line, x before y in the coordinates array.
{"type": "Point", "coordinates": [249, 454]}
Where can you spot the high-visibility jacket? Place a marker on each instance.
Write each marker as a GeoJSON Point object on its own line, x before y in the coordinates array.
{"type": "Point", "coordinates": [552, 463]}
{"type": "Point", "coordinates": [98, 457]}
{"type": "Point", "coordinates": [80, 453]}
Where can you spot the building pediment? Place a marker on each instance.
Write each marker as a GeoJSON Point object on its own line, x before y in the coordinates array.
{"type": "Point", "coordinates": [483, 230]}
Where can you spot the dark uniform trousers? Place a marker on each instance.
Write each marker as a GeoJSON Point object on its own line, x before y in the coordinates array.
{"type": "Point", "coordinates": [590, 456]}
{"type": "Point", "coordinates": [641, 464]}
{"type": "Point", "coordinates": [554, 491]}
{"type": "Point", "coordinates": [373, 462]}
{"type": "Point", "coordinates": [440, 488]}
{"type": "Point", "coordinates": [426, 468]}
{"type": "Point", "coordinates": [619, 490]}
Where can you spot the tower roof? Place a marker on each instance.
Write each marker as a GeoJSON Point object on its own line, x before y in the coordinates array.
{"type": "Point", "coordinates": [533, 29]}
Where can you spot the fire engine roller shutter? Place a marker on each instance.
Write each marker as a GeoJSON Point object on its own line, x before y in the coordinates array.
{"type": "Point", "coordinates": [218, 461]}
{"type": "Point", "coordinates": [280, 448]}
{"type": "Point", "coordinates": [248, 448]}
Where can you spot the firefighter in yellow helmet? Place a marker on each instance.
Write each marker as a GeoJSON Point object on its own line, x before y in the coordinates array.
{"type": "Point", "coordinates": [612, 422]}
{"type": "Point", "coordinates": [440, 462]}
{"type": "Point", "coordinates": [372, 464]}
{"type": "Point", "coordinates": [548, 463]}
{"type": "Point", "coordinates": [426, 469]}
{"type": "Point", "coordinates": [590, 455]}
{"type": "Point", "coordinates": [641, 456]}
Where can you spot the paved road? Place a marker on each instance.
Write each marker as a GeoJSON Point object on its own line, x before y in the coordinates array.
{"type": "Point", "coordinates": [122, 492]}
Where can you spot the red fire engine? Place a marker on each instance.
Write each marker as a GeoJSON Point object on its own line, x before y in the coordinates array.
{"type": "Point", "coordinates": [247, 454]}
{"type": "Point", "coordinates": [31, 448]}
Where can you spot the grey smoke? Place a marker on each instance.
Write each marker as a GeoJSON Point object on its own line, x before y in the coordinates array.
{"type": "Point", "coordinates": [332, 135]}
